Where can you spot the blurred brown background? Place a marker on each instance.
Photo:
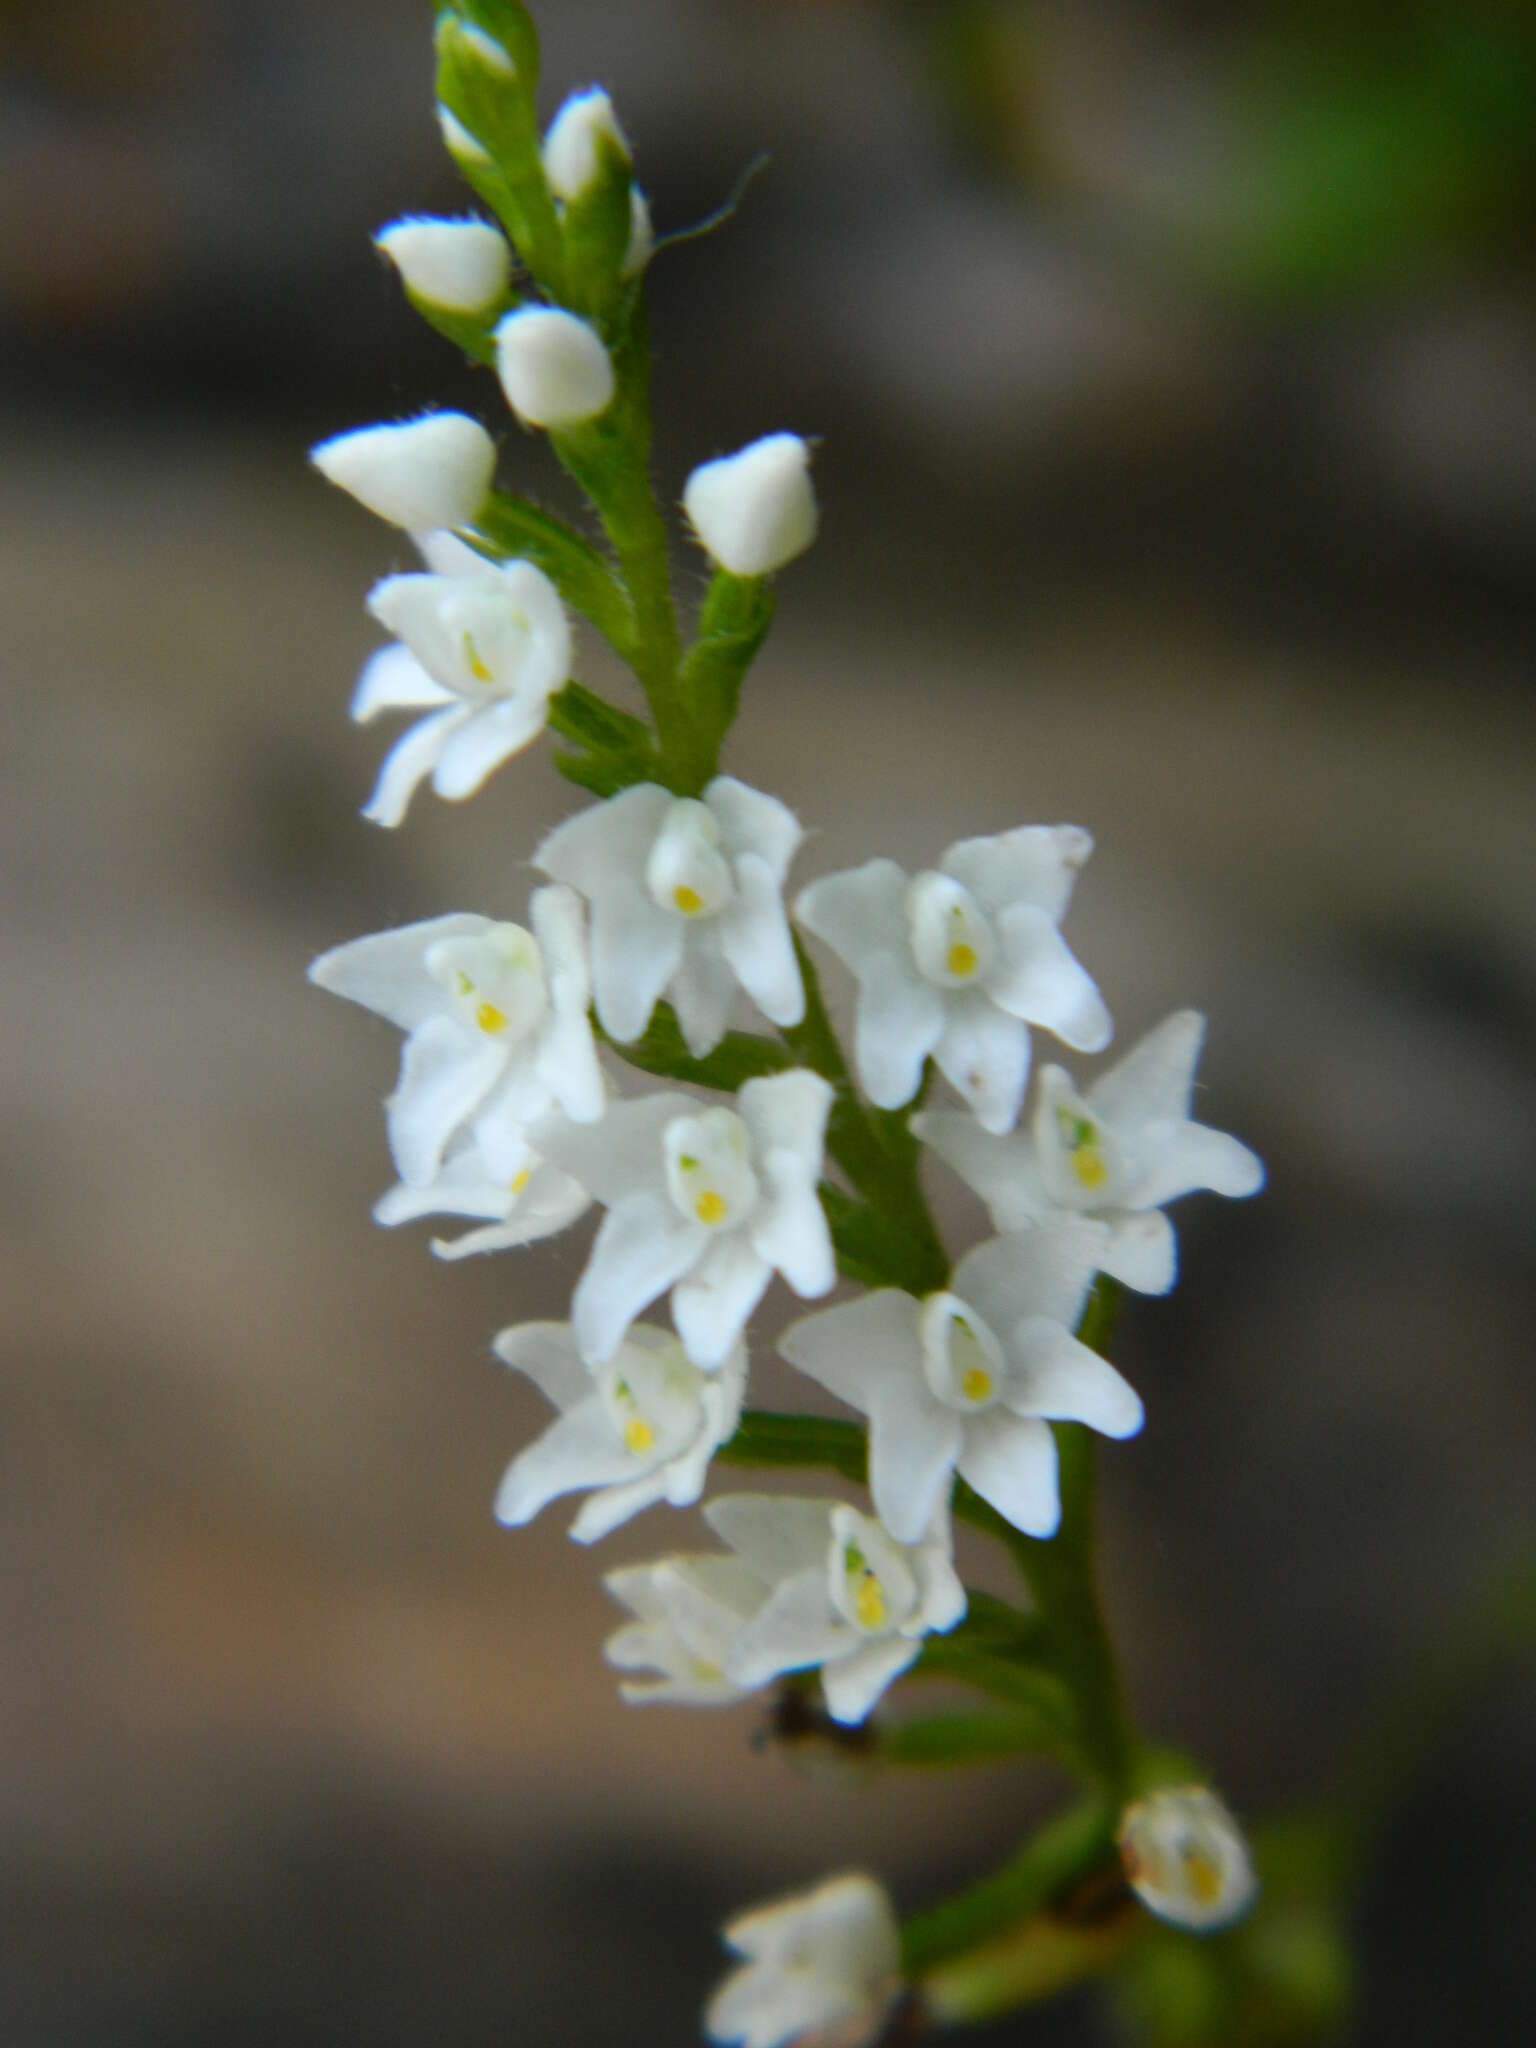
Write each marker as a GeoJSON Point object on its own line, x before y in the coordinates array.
{"type": "Point", "coordinates": [1175, 366]}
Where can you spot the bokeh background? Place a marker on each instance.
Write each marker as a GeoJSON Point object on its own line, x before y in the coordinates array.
{"type": "Point", "coordinates": [1175, 368]}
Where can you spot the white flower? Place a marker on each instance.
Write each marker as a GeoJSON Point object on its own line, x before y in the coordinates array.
{"type": "Point", "coordinates": [686, 898]}
{"type": "Point", "coordinates": [535, 1200]}
{"type": "Point", "coordinates": [1186, 1859]}
{"type": "Point", "coordinates": [496, 1028]}
{"type": "Point", "coordinates": [572, 159]}
{"type": "Point", "coordinates": [679, 1633]}
{"type": "Point", "coordinates": [755, 510]}
{"type": "Point", "coordinates": [1117, 1151]}
{"type": "Point", "coordinates": [967, 1380]}
{"type": "Point", "coordinates": [462, 266]}
{"type": "Point", "coordinates": [481, 647]}
{"type": "Point", "coordinates": [553, 367]}
{"type": "Point", "coordinates": [825, 1959]}
{"type": "Point", "coordinates": [958, 962]}
{"type": "Point", "coordinates": [706, 1201]}
{"type": "Point", "coordinates": [642, 1431]}
{"type": "Point", "coordinates": [838, 1594]}
{"type": "Point", "coordinates": [430, 473]}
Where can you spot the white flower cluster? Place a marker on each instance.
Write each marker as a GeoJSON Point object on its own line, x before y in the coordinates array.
{"type": "Point", "coordinates": [508, 1115]}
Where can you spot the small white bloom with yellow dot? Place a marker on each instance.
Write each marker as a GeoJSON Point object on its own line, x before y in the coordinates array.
{"type": "Point", "coordinates": [709, 1202]}
{"type": "Point", "coordinates": [1117, 1150]}
{"type": "Point", "coordinates": [496, 1028]}
{"type": "Point", "coordinates": [480, 648]}
{"type": "Point", "coordinates": [687, 901]}
{"type": "Point", "coordinates": [824, 1965]}
{"type": "Point", "coordinates": [679, 1635]}
{"type": "Point", "coordinates": [958, 962]}
{"type": "Point", "coordinates": [527, 1199]}
{"type": "Point", "coordinates": [970, 1379]}
{"type": "Point", "coordinates": [642, 1430]}
{"type": "Point", "coordinates": [1185, 1858]}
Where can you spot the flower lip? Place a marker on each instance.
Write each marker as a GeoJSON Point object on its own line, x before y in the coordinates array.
{"type": "Point", "coordinates": [708, 1160]}
{"type": "Point", "coordinates": [686, 873]}
{"type": "Point", "coordinates": [952, 940]}
{"type": "Point", "coordinates": [963, 1362]}
{"type": "Point", "coordinates": [495, 980]}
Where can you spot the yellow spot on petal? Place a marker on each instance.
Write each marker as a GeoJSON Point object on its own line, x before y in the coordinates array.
{"type": "Point", "coordinates": [869, 1603]}
{"type": "Point", "coordinates": [1204, 1876]}
{"type": "Point", "coordinates": [711, 1208]}
{"type": "Point", "coordinates": [688, 901]}
{"type": "Point", "coordinates": [490, 1019]}
{"type": "Point", "coordinates": [961, 958]}
{"type": "Point", "coordinates": [638, 1437]}
{"type": "Point", "coordinates": [522, 1180]}
{"type": "Point", "coordinates": [474, 663]}
{"type": "Point", "coordinates": [1090, 1166]}
{"type": "Point", "coordinates": [976, 1385]}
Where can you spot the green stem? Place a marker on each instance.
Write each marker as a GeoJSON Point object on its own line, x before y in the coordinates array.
{"type": "Point", "coordinates": [805, 1441]}
{"type": "Point", "coordinates": [938, 1740]}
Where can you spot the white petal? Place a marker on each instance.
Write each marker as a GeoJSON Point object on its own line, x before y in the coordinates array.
{"type": "Point", "coordinates": [573, 146]}
{"type": "Point", "coordinates": [753, 823]}
{"type": "Point", "coordinates": [606, 840]}
{"type": "Point", "coordinates": [860, 912]}
{"type": "Point", "coordinates": [566, 1063]}
{"type": "Point", "coordinates": [547, 1354]}
{"type": "Point", "coordinates": [560, 925]}
{"type": "Point", "coordinates": [487, 738]}
{"type": "Point", "coordinates": [609, 1507]}
{"type": "Point", "coordinates": [428, 473]}
{"type": "Point", "coordinates": [394, 680]}
{"type": "Point", "coordinates": [553, 367]}
{"type": "Point", "coordinates": [754, 510]}
{"type": "Point", "coordinates": [788, 1112]}
{"type": "Point", "coordinates": [760, 2007]}
{"type": "Point", "coordinates": [898, 1022]}
{"type": "Point", "coordinates": [789, 1229]}
{"type": "Point", "coordinates": [1002, 1170]}
{"type": "Point", "coordinates": [445, 1073]}
{"type": "Point", "coordinates": [1042, 1272]}
{"type": "Point", "coordinates": [642, 1248]}
{"type": "Point", "coordinates": [853, 1684]}
{"type": "Point", "coordinates": [850, 1349]}
{"type": "Point", "coordinates": [944, 1600]}
{"type": "Point", "coordinates": [984, 1053]}
{"type": "Point", "coordinates": [409, 762]}
{"type": "Point", "coordinates": [386, 972]}
{"type": "Point", "coordinates": [794, 1629]}
{"type": "Point", "coordinates": [711, 1306]}
{"type": "Point", "coordinates": [754, 937]}
{"type": "Point", "coordinates": [636, 951]}
{"type": "Point", "coordinates": [1038, 978]}
{"type": "Point", "coordinates": [1064, 1381]}
{"type": "Point", "coordinates": [1193, 1156]}
{"type": "Point", "coordinates": [578, 1450]}
{"type": "Point", "coordinates": [460, 265]}
{"type": "Point", "coordinates": [1035, 864]}
{"type": "Point", "coordinates": [1142, 1252]}
{"type": "Point", "coordinates": [1155, 1080]}
{"type": "Point", "coordinates": [776, 1536]}
{"type": "Point", "coordinates": [463, 1187]}
{"type": "Point", "coordinates": [446, 555]}
{"type": "Point", "coordinates": [550, 1204]}
{"type": "Point", "coordinates": [913, 1445]}
{"type": "Point", "coordinates": [622, 1155]}
{"type": "Point", "coordinates": [702, 991]}
{"type": "Point", "coordinates": [1011, 1463]}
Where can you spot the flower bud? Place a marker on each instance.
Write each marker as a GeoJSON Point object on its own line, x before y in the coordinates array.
{"type": "Point", "coordinates": [755, 510]}
{"type": "Point", "coordinates": [467, 151]}
{"type": "Point", "coordinates": [429, 473]}
{"type": "Point", "coordinates": [1185, 1858]}
{"type": "Point", "coordinates": [642, 239]}
{"type": "Point", "coordinates": [572, 148]}
{"type": "Point", "coordinates": [462, 266]}
{"type": "Point", "coordinates": [553, 367]}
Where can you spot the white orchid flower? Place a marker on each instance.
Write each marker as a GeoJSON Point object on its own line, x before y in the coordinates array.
{"type": "Point", "coordinates": [534, 1201]}
{"type": "Point", "coordinates": [1186, 1859]}
{"type": "Point", "coordinates": [480, 647]}
{"type": "Point", "coordinates": [820, 1966]}
{"type": "Point", "coordinates": [970, 1379]}
{"type": "Point", "coordinates": [1117, 1151]}
{"type": "Point", "coordinates": [496, 1028]}
{"type": "Point", "coordinates": [706, 1201]}
{"type": "Point", "coordinates": [686, 901]}
{"type": "Point", "coordinates": [643, 1430]}
{"type": "Point", "coordinates": [958, 962]}
{"type": "Point", "coordinates": [838, 1594]}
{"type": "Point", "coordinates": [681, 1634]}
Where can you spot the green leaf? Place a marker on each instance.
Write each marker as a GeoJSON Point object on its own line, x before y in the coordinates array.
{"type": "Point", "coordinates": [579, 714]}
{"type": "Point", "coordinates": [663, 1050]}
{"type": "Point", "coordinates": [804, 1441]}
{"type": "Point", "coordinates": [606, 775]}
{"type": "Point", "coordinates": [512, 529]}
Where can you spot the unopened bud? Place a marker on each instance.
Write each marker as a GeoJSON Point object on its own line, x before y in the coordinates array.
{"type": "Point", "coordinates": [1185, 1858]}
{"type": "Point", "coordinates": [553, 367]}
{"type": "Point", "coordinates": [755, 510]}
{"type": "Point", "coordinates": [430, 473]}
{"type": "Point", "coordinates": [572, 148]}
{"type": "Point", "coordinates": [461, 265]}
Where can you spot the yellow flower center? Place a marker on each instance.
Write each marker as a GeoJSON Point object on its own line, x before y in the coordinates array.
{"type": "Point", "coordinates": [870, 1602]}
{"type": "Point", "coordinates": [474, 663]}
{"type": "Point", "coordinates": [1204, 1876]}
{"type": "Point", "coordinates": [1090, 1166]}
{"type": "Point", "coordinates": [961, 959]}
{"type": "Point", "coordinates": [490, 1019]}
{"type": "Point", "coordinates": [710, 1208]}
{"type": "Point", "coordinates": [688, 901]}
{"type": "Point", "coordinates": [522, 1180]}
{"type": "Point", "coordinates": [638, 1437]}
{"type": "Point", "coordinates": [976, 1384]}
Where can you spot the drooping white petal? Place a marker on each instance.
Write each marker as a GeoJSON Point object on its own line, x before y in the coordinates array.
{"type": "Point", "coordinates": [850, 1349]}
{"type": "Point", "coordinates": [754, 936]}
{"type": "Point", "coordinates": [1039, 980]}
{"type": "Point", "coordinates": [1011, 1463]}
{"type": "Point", "coordinates": [409, 762]}
{"type": "Point", "coordinates": [712, 1303]}
{"type": "Point", "coordinates": [490, 736]}
{"type": "Point", "coordinates": [547, 1354]}
{"type": "Point", "coordinates": [984, 1053]}
{"type": "Point", "coordinates": [1064, 1381]}
{"type": "Point", "coordinates": [551, 1202]}
{"type": "Point", "coordinates": [636, 949]}
{"type": "Point", "coordinates": [860, 913]}
{"type": "Point", "coordinates": [1035, 864]}
{"type": "Point", "coordinates": [788, 1112]}
{"type": "Point", "coordinates": [1190, 1156]}
{"type": "Point", "coordinates": [566, 1063]}
{"type": "Point", "coordinates": [754, 511]}
{"type": "Point", "coordinates": [429, 473]}
{"type": "Point", "coordinates": [776, 1536]}
{"type": "Point", "coordinates": [394, 680]}
{"type": "Point", "coordinates": [898, 1022]}
{"type": "Point", "coordinates": [386, 971]}
{"type": "Point", "coordinates": [913, 1445]}
{"type": "Point", "coordinates": [794, 1629]}
{"type": "Point", "coordinates": [943, 1594]}
{"type": "Point", "coordinates": [702, 991]}
{"type": "Point", "coordinates": [752, 822]}
{"type": "Point", "coordinates": [643, 1246]}
{"type": "Point", "coordinates": [577, 1451]}
{"type": "Point", "coordinates": [854, 1684]}
{"type": "Point", "coordinates": [553, 367]}
{"type": "Point", "coordinates": [1002, 1170]}
{"type": "Point", "coordinates": [763, 2008]}
{"type": "Point", "coordinates": [1153, 1082]}
{"type": "Point", "coordinates": [1042, 1272]}
{"type": "Point", "coordinates": [1142, 1252]}
{"type": "Point", "coordinates": [445, 1073]}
